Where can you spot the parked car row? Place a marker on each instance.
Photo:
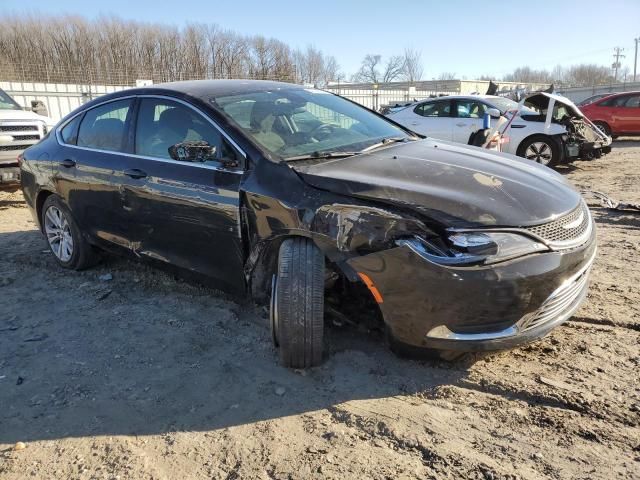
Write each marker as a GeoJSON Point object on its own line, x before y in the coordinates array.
{"type": "Point", "coordinates": [291, 194]}
{"type": "Point", "coordinates": [545, 128]}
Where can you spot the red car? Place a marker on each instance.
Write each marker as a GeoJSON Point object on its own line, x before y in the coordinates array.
{"type": "Point", "coordinates": [617, 114]}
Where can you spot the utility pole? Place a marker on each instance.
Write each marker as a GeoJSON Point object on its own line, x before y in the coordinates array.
{"type": "Point", "coordinates": [635, 58]}
{"type": "Point", "coordinates": [616, 65]}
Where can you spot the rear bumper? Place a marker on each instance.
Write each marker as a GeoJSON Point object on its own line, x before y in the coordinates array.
{"type": "Point", "coordinates": [477, 308]}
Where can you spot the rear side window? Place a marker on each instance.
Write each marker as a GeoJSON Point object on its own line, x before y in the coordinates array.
{"type": "Point", "coordinates": [103, 127]}
{"type": "Point", "coordinates": [633, 102]}
{"type": "Point", "coordinates": [434, 109]}
{"type": "Point", "coordinates": [614, 101]}
{"type": "Point", "coordinates": [69, 133]}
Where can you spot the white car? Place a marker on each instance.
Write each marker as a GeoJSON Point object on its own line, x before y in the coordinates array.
{"type": "Point", "coordinates": [19, 129]}
{"type": "Point", "coordinates": [547, 128]}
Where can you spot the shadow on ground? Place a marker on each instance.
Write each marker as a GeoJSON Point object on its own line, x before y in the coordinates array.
{"type": "Point", "coordinates": [146, 353]}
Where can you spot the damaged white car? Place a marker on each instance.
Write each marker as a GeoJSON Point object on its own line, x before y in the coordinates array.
{"type": "Point", "coordinates": [543, 127]}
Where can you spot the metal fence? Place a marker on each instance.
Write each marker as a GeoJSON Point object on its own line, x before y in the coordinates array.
{"type": "Point", "coordinates": [62, 98]}
{"type": "Point", "coordinates": [376, 98]}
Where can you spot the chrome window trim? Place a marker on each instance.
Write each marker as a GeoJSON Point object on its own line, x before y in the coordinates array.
{"type": "Point", "coordinates": [59, 128]}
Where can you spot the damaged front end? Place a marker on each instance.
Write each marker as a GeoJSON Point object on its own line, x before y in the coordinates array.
{"type": "Point", "coordinates": [582, 140]}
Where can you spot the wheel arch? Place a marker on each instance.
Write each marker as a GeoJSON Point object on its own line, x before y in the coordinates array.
{"type": "Point", "coordinates": [40, 199]}
{"type": "Point", "coordinates": [263, 262]}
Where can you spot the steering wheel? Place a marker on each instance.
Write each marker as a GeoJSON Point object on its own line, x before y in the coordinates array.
{"type": "Point", "coordinates": [324, 129]}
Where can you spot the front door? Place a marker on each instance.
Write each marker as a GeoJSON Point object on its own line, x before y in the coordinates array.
{"type": "Point", "coordinates": [187, 212]}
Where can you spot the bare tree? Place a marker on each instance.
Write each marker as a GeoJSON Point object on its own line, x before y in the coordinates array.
{"type": "Point", "coordinates": [447, 76]}
{"type": "Point", "coordinates": [413, 69]}
{"type": "Point", "coordinates": [71, 49]}
{"type": "Point", "coordinates": [393, 69]}
{"type": "Point", "coordinates": [369, 69]}
{"type": "Point", "coordinates": [588, 75]}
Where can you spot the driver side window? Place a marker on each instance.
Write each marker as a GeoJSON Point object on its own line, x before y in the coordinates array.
{"type": "Point", "coordinates": [163, 124]}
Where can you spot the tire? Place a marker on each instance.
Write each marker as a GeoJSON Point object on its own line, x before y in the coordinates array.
{"type": "Point", "coordinates": [604, 127]}
{"type": "Point", "coordinates": [297, 304]}
{"type": "Point", "coordinates": [69, 247]}
{"type": "Point", "coordinates": [541, 149]}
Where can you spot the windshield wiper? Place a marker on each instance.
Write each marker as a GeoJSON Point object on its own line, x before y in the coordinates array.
{"type": "Point", "coordinates": [383, 142]}
{"type": "Point", "coordinates": [320, 155]}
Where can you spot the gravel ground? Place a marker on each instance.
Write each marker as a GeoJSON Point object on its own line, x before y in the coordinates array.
{"type": "Point", "coordinates": [147, 376]}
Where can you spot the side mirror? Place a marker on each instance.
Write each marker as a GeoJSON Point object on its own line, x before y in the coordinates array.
{"type": "Point", "coordinates": [493, 112]}
{"type": "Point", "coordinates": [196, 151]}
{"type": "Point", "coordinates": [37, 106]}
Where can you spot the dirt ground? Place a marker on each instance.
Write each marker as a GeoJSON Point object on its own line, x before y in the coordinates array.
{"type": "Point", "coordinates": [147, 376]}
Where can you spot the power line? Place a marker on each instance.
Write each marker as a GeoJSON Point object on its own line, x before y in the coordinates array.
{"type": "Point", "coordinates": [635, 58]}
{"type": "Point", "coordinates": [616, 65]}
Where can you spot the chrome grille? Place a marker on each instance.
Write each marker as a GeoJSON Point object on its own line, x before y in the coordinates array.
{"type": "Point", "coordinates": [21, 135]}
{"type": "Point", "coordinates": [567, 230]}
{"type": "Point", "coordinates": [18, 128]}
{"type": "Point", "coordinates": [560, 303]}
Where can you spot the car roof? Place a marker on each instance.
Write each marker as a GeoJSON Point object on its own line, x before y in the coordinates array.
{"type": "Point", "coordinates": [202, 90]}
{"type": "Point", "coordinates": [463, 97]}
{"type": "Point", "coordinates": [206, 89]}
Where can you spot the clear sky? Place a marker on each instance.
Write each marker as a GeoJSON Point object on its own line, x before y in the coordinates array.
{"type": "Point", "coordinates": [464, 37]}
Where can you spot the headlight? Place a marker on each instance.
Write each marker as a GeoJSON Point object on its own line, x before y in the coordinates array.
{"type": "Point", "coordinates": [472, 248]}
{"type": "Point", "coordinates": [493, 246]}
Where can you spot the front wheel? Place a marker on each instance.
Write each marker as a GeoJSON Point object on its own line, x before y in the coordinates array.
{"type": "Point", "coordinates": [603, 127]}
{"type": "Point", "coordinates": [297, 304]}
{"type": "Point", "coordinates": [541, 149]}
{"type": "Point", "coordinates": [68, 245]}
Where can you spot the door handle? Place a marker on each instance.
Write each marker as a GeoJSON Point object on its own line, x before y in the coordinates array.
{"type": "Point", "coordinates": [134, 173]}
{"type": "Point", "coordinates": [68, 163]}
{"type": "Point", "coordinates": [461, 124]}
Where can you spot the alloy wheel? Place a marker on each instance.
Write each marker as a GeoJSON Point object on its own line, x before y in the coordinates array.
{"type": "Point", "coordinates": [540, 152]}
{"type": "Point", "coordinates": [58, 233]}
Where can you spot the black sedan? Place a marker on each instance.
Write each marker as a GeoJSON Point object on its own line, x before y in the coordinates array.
{"type": "Point", "coordinates": [289, 194]}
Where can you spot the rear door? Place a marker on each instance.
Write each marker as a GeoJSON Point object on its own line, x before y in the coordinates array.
{"type": "Point", "coordinates": [433, 118]}
{"type": "Point", "coordinates": [89, 168]}
{"type": "Point", "coordinates": [186, 213]}
{"type": "Point", "coordinates": [469, 117]}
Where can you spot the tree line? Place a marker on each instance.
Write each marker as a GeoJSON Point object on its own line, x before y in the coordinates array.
{"type": "Point", "coordinates": [110, 50]}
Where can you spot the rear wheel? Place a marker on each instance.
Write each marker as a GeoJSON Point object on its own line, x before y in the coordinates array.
{"type": "Point", "coordinates": [541, 149]}
{"type": "Point", "coordinates": [68, 245]}
{"type": "Point", "coordinates": [297, 304]}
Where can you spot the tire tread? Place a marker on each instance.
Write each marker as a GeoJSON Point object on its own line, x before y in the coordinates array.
{"type": "Point", "coordinates": [300, 303]}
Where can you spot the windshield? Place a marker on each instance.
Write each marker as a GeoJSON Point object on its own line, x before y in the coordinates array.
{"type": "Point", "coordinates": [8, 103]}
{"type": "Point", "coordinates": [295, 122]}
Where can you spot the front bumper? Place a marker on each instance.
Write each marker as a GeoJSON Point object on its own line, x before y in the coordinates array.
{"type": "Point", "coordinates": [9, 173]}
{"type": "Point", "coordinates": [430, 305]}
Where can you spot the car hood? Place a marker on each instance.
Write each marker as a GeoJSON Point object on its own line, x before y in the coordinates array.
{"type": "Point", "coordinates": [454, 185]}
{"type": "Point", "coordinates": [8, 115]}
